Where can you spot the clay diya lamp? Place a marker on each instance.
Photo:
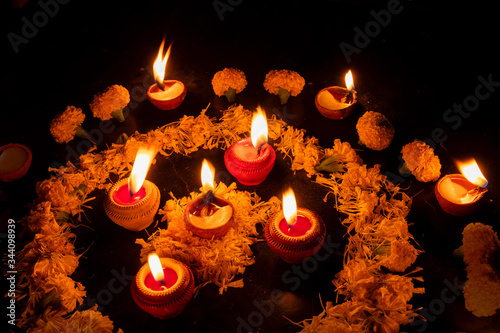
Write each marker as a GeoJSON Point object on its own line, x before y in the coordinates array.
{"type": "Point", "coordinates": [250, 160]}
{"type": "Point", "coordinates": [132, 203]}
{"type": "Point", "coordinates": [461, 194]}
{"type": "Point", "coordinates": [165, 94]}
{"type": "Point", "coordinates": [163, 287]}
{"type": "Point", "coordinates": [294, 234]}
{"type": "Point", "coordinates": [208, 216]}
{"type": "Point", "coordinates": [15, 160]}
{"type": "Point", "coordinates": [337, 102]}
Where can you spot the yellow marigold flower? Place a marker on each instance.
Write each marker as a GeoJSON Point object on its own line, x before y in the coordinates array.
{"type": "Point", "coordinates": [66, 290]}
{"type": "Point", "coordinates": [66, 124]}
{"type": "Point", "coordinates": [420, 160]}
{"type": "Point", "coordinates": [110, 103]}
{"type": "Point", "coordinates": [284, 83]}
{"type": "Point", "coordinates": [482, 289]}
{"type": "Point", "coordinates": [374, 130]}
{"type": "Point", "coordinates": [229, 82]}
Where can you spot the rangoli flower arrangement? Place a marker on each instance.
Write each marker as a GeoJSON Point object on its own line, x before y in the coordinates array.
{"type": "Point", "coordinates": [110, 103]}
{"type": "Point", "coordinates": [284, 83]}
{"type": "Point", "coordinates": [229, 82]}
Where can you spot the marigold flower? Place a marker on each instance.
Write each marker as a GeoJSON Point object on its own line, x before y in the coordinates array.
{"type": "Point", "coordinates": [482, 289]}
{"type": "Point", "coordinates": [229, 82]}
{"type": "Point", "coordinates": [284, 83]}
{"type": "Point", "coordinates": [66, 124]}
{"type": "Point", "coordinates": [110, 103]}
{"type": "Point", "coordinates": [401, 255]}
{"type": "Point", "coordinates": [374, 130]}
{"type": "Point", "coordinates": [420, 160]}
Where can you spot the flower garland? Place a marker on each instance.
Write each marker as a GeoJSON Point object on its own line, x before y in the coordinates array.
{"type": "Point", "coordinates": [376, 210]}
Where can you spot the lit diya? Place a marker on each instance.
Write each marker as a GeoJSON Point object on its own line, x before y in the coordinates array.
{"type": "Point", "coordinates": [461, 194]}
{"type": "Point", "coordinates": [250, 160]}
{"type": "Point", "coordinates": [294, 234]}
{"type": "Point", "coordinates": [163, 287]}
{"type": "Point", "coordinates": [165, 94]}
{"type": "Point", "coordinates": [337, 102]}
{"type": "Point", "coordinates": [132, 203]}
{"type": "Point", "coordinates": [15, 160]}
{"type": "Point", "coordinates": [208, 216]}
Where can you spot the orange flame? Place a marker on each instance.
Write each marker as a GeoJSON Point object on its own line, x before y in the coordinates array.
{"type": "Point", "coordinates": [290, 207]}
{"type": "Point", "coordinates": [349, 82]}
{"type": "Point", "coordinates": [207, 174]}
{"type": "Point", "coordinates": [471, 171]}
{"type": "Point", "coordinates": [155, 267]}
{"type": "Point", "coordinates": [259, 128]}
{"type": "Point", "coordinates": [161, 63]}
{"type": "Point", "coordinates": [141, 166]}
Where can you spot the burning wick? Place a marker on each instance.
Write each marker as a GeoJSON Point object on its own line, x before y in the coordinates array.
{"type": "Point", "coordinates": [160, 85]}
{"type": "Point", "coordinates": [160, 64]}
{"type": "Point", "coordinates": [349, 82]}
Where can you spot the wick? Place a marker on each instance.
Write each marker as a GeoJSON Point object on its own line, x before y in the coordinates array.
{"type": "Point", "coordinates": [162, 281]}
{"type": "Point", "coordinates": [208, 198]}
{"type": "Point", "coordinates": [289, 227]}
{"type": "Point", "coordinates": [160, 85]}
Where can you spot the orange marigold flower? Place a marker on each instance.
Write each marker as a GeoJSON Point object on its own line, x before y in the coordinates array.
{"type": "Point", "coordinates": [482, 289]}
{"type": "Point", "coordinates": [420, 160]}
{"type": "Point", "coordinates": [401, 255]}
{"type": "Point", "coordinates": [290, 83]}
{"type": "Point", "coordinates": [374, 130]}
{"type": "Point", "coordinates": [229, 78]}
{"type": "Point", "coordinates": [110, 103]}
{"type": "Point", "coordinates": [65, 125]}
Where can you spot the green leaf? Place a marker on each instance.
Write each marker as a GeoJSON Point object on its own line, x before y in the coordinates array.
{"type": "Point", "coordinates": [80, 132]}
{"type": "Point", "coordinates": [404, 171]}
{"type": "Point", "coordinates": [284, 95]}
{"type": "Point", "coordinates": [330, 164]}
{"type": "Point", "coordinates": [230, 94]}
{"type": "Point", "coordinates": [122, 139]}
{"type": "Point", "coordinates": [118, 115]}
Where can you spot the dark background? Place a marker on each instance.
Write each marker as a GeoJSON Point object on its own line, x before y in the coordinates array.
{"type": "Point", "coordinates": [426, 60]}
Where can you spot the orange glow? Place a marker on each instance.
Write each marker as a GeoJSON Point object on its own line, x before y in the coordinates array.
{"type": "Point", "coordinates": [471, 171]}
{"type": "Point", "coordinates": [207, 175]}
{"type": "Point", "coordinates": [349, 82]}
{"type": "Point", "coordinates": [141, 166]}
{"type": "Point", "coordinates": [290, 207]}
{"type": "Point", "coordinates": [259, 128]}
{"type": "Point", "coordinates": [161, 63]}
{"type": "Point", "coordinates": [155, 267]}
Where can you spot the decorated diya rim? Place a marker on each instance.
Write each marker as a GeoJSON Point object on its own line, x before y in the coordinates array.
{"type": "Point", "coordinates": [207, 233]}
{"type": "Point", "coordinates": [22, 170]}
{"type": "Point", "coordinates": [166, 104]}
{"type": "Point", "coordinates": [339, 113]}
{"type": "Point", "coordinates": [250, 172]}
{"type": "Point", "coordinates": [454, 208]}
{"type": "Point", "coordinates": [317, 227]}
{"type": "Point", "coordinates": [134, 217]}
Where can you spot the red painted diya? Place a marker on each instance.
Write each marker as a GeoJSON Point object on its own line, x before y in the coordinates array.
{"type": "Point", "coordinates": [165, 299]}
{"type": "Point", "coordinates": [298, 242]}
{"type": "Point", "coordinates": [249, 165]}
{"type": "Point", "coordinates": [133, 212]}
{"type": "Point", "coordinates": [336, 102]}
{"type": "Point", "coordinates": [168, 98]}
{"type": "Point", "coordinates": [15, 160]}
{"type": "Point", "coordinates": [457, 195]}
{"type": "Point", "coordinates": [209, 216]}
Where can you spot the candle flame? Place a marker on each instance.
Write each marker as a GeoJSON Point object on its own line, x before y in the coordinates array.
{"type": "Point", "coordinates": [155, 267]}
{"type": "Point", "coordinates": [290, 207]}
{"type": "Point", "coordinates": [161, 63]}
{"type": "Point", "coordinates": [471, 171]}
{"type": "Point", "coordinates": [349, 82]}
{"type": "Point", "coordinates": [207, 175]}
{"type": "Point", "coordinates": [259, 128]}
{"type": "Point", "coordinates": [141, 166]}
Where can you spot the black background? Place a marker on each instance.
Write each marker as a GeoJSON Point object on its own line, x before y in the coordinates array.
{"type": "Point", "coordinates": [427, 59]}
